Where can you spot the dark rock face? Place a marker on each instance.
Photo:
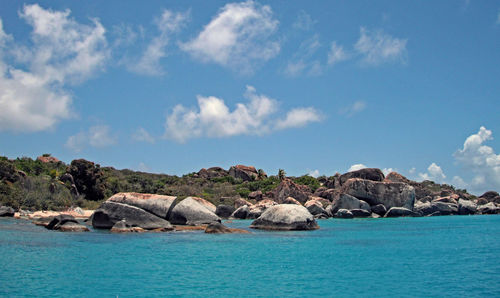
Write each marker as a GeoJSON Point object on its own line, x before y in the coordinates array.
{"type": "Point", "coordinates": [213, 172]}
{"type": "Point", "coordinates": [245, 173]}
{"type": "Point", "coordinates": [379, 209]}
{"type": "Point", "coordinates": [6, 211]}
{"type": "Point", "coordinates": [466, 207]}
{"type": "Point", "coordinates": [191, 212]}
{"type": "Point", "coordinates": [158, 205]}
{"type": "Point", "coordinates": [224, 211]}
{"type": "Point", "coordinates": [367, 174]}
{"type": "Point", "coordinates": [218, 228]}
{"type": "Point", "coordinates": [489, 195]}
{"type": "Point", "coordinates": [344, 213]}
{"type": "Point", "coordinates": [360, 213]}
{"type": "Point", "coordinates": [390, 194]}
{"type": "Point", "coordinates": [241, 213]}
{"type": "Point", "coordinates": [255, 195]}
{"type": "Point", "coordinates": [285, 217]}
{"type": "Point", "coordinates": [288, 188]}
{"type": "Point", "coordinates": [109, 213]}
{"type": "Point", "coordinates": [401, 212]}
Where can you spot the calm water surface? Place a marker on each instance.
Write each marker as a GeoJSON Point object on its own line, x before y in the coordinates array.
{"type": "Point", "coordinates": [437, 256]}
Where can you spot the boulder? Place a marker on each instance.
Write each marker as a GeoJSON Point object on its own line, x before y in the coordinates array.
{"type": "Point", "coordinates": [285, 217]}
{"type": "Point", "coordinates": [241, 202]}
{"type": "Point", "coordinates": [123, 227]}
{"type": "Point", "coordinates": [109, 213]}
{"type": "Point", "coordinates": [47, 159]}
{"type": "Point", "coordinates": [433, 207]}
{"type": "Point", "coordinates": [224, 211]}
{"type": "Point", "coordinates": [360, 213]}
{"type": "Point", "coordinates": [489, 195]}
{"type": "Point", "coordinates": [481, 201]}
{"type": "Point", "coordinates": [367, 174]}
{"type": "Point", "coordinates": [333, 182]}
{"type": "Point", "coordinates": [291, 200]}
{"type": "Point", "coordinates": [288, 188]}
{"type": "Point", "coordinates": [191, 212]}
{"type": "Point", "coordinates": [396, 177]}
{"type": "Point", "coordinates": [72, 227]}
{"type": "Point", "coordinates": [390, 194]}
{"type": "Point", "coordinates": [241, 213]}
{"type": "Point", "coordinates": [218, 228]}
{"type": "Point", "coordinates": [205, 203]}
{"type": "Point", "coordinates": [489, 208]}
{"type": "Point", "coordinates": [315, 207]}
{"type": "Point", "coordinates": [245, 173]}
{"type": "Point", "coordinates": [466, 207]}
{"type": "Point", "coordinates": [329, 194]}
{"type": "Point", "coordinates": [400, 212]}
{"type": "Point", "coordinates": [447, 199]}
{"type": "Point", "coordinates": [213, 172]}
{"type": "Point", "coordinates": [60, 220]}
{"type": "Point", "coordinates": [7, 211]}
{"type": "Point", "coordinates": [158, 205]}
{"type": "Point", "coordinates": [496, 200]}
{"type": "Point", "coordinates": [344, 213]}
{"type": "Point", "coordinates": [345, 201]}
{"type": "Point", "coordinates": [365, 206]}
{"type": "Point", "coordinates": [255, 195]}
{"type": "Point", "coordinates": [256, 210]}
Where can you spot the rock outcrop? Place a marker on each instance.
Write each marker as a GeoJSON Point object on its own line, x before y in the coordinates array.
{"type": "Point", "coordinates": [390, 194]}
{"type": "Point", "coordinates": [66, 223]}
{"type": "Point", "coordinates": [158, 205]}
{"type": "Point", "coordinates": [489, 195]}
{"type": "Point", "coordinates": [285, 217]}
{"type": "Point", "coordinates": [205, 203]}
{"type": "Point", "coordinates": [343, 213]}
{"type": "Point", "coordinates": [7, 211]}
{"type": "Point", "coordinates": [345, 201]}
{"type": "Point", "coordinates": [360, 212]}
{"type": "Point", "coordinates": [246, 173]}
{"type": "Point", "coordinates": [401, 212]}
{"type": "Point", "coordinates": [213, 172]}
{"type": "Point", "coordinates": [191, 212]}
{"type": "Point", "coordinates": [489, 208]}
{"type": "Point", "coordinates": [367, 174]}
{"type": "Point", "coordinates": [379, 209]}
{"type": "Point", "coordinates": [291, 200]}
{"type": "Point", "coordinates": [396, 177]}
{"type": "Point", "coordinates": [224, 211]}
{"type": "Point", "coordinates": [255, 195]}
{"type": "Point", "coordinates": [256, 210]}
{"type": "Point", "coordinates": [288, 188]}
{"type": "Point", "coordinates": [466, 207]}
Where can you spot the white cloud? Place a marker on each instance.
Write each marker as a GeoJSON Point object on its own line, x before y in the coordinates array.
{"type": "Point", "coordinates": [302, 61]}
{"type": "Point", "coordinates": [336, 54]}
{"type": "Point", "coordinates": [458, 182]}
{"type": "Point", "coordinates": [304, 21]}
{"type": "Point", "coordinates": [314, 173]}
{"type": "Point", "coordinates": [142, 167]}
{"type": "Point", "coordinates": [481, 160]}
{"type": "Point", "coordinates": [378, 47]}
{"type": "Point", "coordinates": [213, 118]}
{"type": "Point", "coordinates": [238, 37]}
{"type": "Point", "coordinates": [149, 63]}
{"type": "Point", "coordinates": [412, 171]}
{"type": "Point", "coordinates": [142, 135]}
{"type": "Point", "coordinates": [98, 136]}
{"type": "Point", "coordinates": [353, 109]}
{"type": "Point", "coordinates": [63, 52]}
{"type": "Point", "coordinates": [434, 173]}
{"type": "Point", "coordinates": [356, 167]}
{"type": "Point", "coordinates": [386, 171]}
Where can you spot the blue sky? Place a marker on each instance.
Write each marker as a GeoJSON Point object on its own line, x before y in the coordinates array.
{"type": "Point", "coordinates": [327, 86]}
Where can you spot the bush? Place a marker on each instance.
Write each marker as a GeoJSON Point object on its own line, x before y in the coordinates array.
{"type": "Point", "coordinates": [310, 181]}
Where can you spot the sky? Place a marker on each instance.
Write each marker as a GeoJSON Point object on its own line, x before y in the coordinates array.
{"type": "Point", "coordinates": [313, 88]}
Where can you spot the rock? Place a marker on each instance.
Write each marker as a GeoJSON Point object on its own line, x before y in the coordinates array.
{"type": "Point", "coordinates": [255, 195]}
{"type": "Point", "coordinates": [245, 173]}
{"type": "Point", "coordinates": [72, 227]}
{"type": "Point", "coordinates": [47, 159]}
{"type": "Point", "coordinates": [241, 213]}
{"type": "Point", "coordinates": [426, 199]}
{"type": "Point", "coordinates": [224, 211]}
{"type": "Point", "coordinates": [374, 215]}
{"type": "Point", "coordinates": [321, 216]}
{"type": "Point", "coordinates": [7, 211]}
{"type": "Point", "coordinates": [396, 177]}
{"type": "Point", "coordinates": [67, 177]}
{"type": "Point", "coordinates": [496, 200]}
{"type": "Point", "coordinates": [323, 202]}
{"type": "Point", "coordinates": [109, 213]}
{"type": "Point", "coordinates": [191, 212]}
{"type": "Point", "coordinates": [367, 174]}
{"type": "Point", "coordinates": [379, 209]}
{"type": "Point", "coordinates": [205, 203]}
{"type": "Point", "coordinates": [390, 194]}
{"type": "Point", "coordinates": [466, 207]}
{"type": "Point", "coordinates": [329, 194]}
{"type": "Point", "coordinates": [400, 212]}
{"type": "Point", "coordinates": [213, 172]}
{"type": "Point", "coordinates": [481, 201]}
{"type": "Point", "coordinates": [344, 213]}
{"type": "Point", "coordinates": [256, 210]}
{"type": "Point", "coordinates": [365, 206]}
{"type": "Point", "coordinates": [218, 228]}
{"type": "Point", "coordinates": [447, 199]}
{"type": "Point", "coordinates": [432, 207]}
{"type": "Point", "coordinates": [489, 195]}
{"type": "Point", "coordinates": [158, 205]}
{"type": "Point", "coordinates": [315, 208]}
{"type": "Point", "coordinates": [288, 188]}
{"type": "Point", "coordinates": [291, 200]}
{"type": "Point", "coordinates": [60, 220]}
{"type": "Point", "coordinates": [74, 191]}
{"type": "Point", "coordinates": [360, 212]}
{"type": "Point", "coordinates": [346, 201]}
{"type": "Point", "coordinates": [285, 217]}
{"type": "Point", "coordinates": [241, 202]}
{"type": "Point", "coordinates": [123, 227]}
{"type": "Point", "coordinates": [489, 208]}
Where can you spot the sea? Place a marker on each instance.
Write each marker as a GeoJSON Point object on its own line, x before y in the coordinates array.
{"type": "Point", "coordinates": [450, 256]}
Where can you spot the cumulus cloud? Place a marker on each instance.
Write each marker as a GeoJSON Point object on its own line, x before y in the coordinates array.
{"type": "Point", "coordinates": [213, 118]}
{"type": "Point", "coordinates": [149, 63]}
{"type": "Point", "coordinates": [142, 135]}
{"type": "Point", "coordinates": [336, 54]}
{"type": "Point", "coordinates": [378, 47]}
{"type": "Point", "coordinates": [353, 109]}
{"type": "Point", "coordinates": [314, 173]}
{"type": "Point", "coordinates": [238, 37]}
{"type": "Point", "coordinates": [98, 136]}
{"type": "Point", "coordinates": [33, 95]}
{"type": "Point", "coordinates": [302, 61]}
{"type": "Point", "coordinates": [386, 171]}
{"type": "Point", "coordinates": [481, 160]}
{"type": "Point", "coordinates": [434, 173]}
{"type": "Point", "coordinates": [356, 167]}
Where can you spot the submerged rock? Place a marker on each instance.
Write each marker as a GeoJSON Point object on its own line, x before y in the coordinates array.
{"type": "Point", "coordinates": [218, 228]}
{"type": "Point", "coordinates": [285, 217]}
{"type": "Point", "coordinates": [191, 212]}
{"type": "Point", "coordinates": [73, 227]}
{"type": "Point", "coordinates": [66, 223]}
{"type": "Point", "coordinates": [123, 227]}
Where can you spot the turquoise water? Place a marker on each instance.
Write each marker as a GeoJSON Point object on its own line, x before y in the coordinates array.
{"type": "Point", "coordinates": [437, 256]}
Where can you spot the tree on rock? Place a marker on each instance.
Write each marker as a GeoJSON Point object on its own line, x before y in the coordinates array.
{"type": "Point", "coordinates": [281, 174]}
{"type": "Point", "coordinates": [88, 179]}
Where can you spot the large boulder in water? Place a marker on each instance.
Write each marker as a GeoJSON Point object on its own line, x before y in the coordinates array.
{"type": "Point", "coordinates": [285, 217]}
{"type": "Point", "coordinates": [7, 211]}
{"type": "Point", "coordinates": [401, 212]}
{"type": "Point", "coordinates": [158, 205]}
{"type": "Point", "coordinates": [288, 188]}
{"type": "Point", "coordinates": [123, 227]}
{"type": "Point", "coordinates": [489, 208]}
{"type": "Point", "coordinates": [241, 213]}
{"type": "Point", "coordinates": [367, 174]}
{"type": "Point", "coordinates": [218, 228]}
{"type": "Point", "coordinates": [66, 223]}
{"type": "Point", "coordinates": [224, 211]}
{"type": "Point", "coordinates": [245, 173]}
{"type": "Point", "coordinates": [73, 227]}
{"type": "Point", "coordinates": [390, 194]}
{"type": "Point", "coordinates": [191, 212]}
{"type": "Point", "coordinates": [466, 207]}
{"type": "Point", "coordinates": [345, 201]}
{"type": "Point", "coordinates": [109, 213]}
{"type": "Point", "coordinates": [436, 208]}
{"type": "Point", "coordinates": [256, 210]}
{"type": "Point", "coordinates": [205, 203]}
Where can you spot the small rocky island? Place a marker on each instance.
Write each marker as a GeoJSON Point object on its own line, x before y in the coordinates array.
{"type": "Point", "coordinates": [200, 201]}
